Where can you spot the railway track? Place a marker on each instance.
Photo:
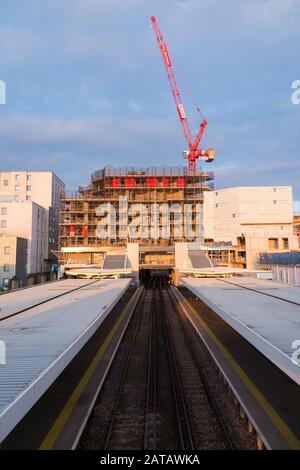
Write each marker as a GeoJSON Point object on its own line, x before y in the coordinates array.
{"type": "Point", "coordinates": [125, 412]}
{"type": "Point", "coordinates": [157, 395]}
{"type": "Point", "coordinates": [201, 405]}
{"type": "Point", "coordinates": [179, 400]}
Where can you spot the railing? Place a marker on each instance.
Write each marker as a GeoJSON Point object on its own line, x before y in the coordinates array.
{"type": "Point", "coordinates": [150, 171]}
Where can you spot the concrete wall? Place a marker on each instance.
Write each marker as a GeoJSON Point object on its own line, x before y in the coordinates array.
{"type": "Point", "coordinates": [257, 241]}
{"type": "Point", "coordinates": [21, 257]}
{"type": "Point", "coordinates": [27, 220]}
{"type": "Point", "coordinates": [182, 260]}
{"type": "Point", "coordinates": [227, 211]}
{"type": "Point", "coordinates": [255, 213]}
{"type": "Point", "coordinates": [13, 259]}
{"type": "Point", "coordinates": [132, 252]}
{"type": "Point", "coordinates": [7, 261]}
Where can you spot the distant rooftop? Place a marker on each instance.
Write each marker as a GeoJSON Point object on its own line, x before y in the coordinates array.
{"type": "Point", "coordinates": [290, 258]}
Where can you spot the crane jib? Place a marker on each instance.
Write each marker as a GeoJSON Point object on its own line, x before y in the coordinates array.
{"type": "Point", "coordinates": [194, 145]}
{"type": "Point", "coordinates": [165, 54]}
{"type": "Point", "coordinates": [181, 111]}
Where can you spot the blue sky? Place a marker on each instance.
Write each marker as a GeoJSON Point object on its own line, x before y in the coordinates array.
{"type": "Point", "coordinates": [86, 86]}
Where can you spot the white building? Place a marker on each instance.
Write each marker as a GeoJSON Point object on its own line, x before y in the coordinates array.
{"type": "Point", "coordinates": [41, 187]}
{"type": "Point", "coordinates": [27, 220]}
{"type": "Point", "coordinates": [252, 219]}
{"type": "Point", "coordinates": [29, 209]}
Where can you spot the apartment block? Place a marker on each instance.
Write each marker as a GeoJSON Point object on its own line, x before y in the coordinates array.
{"type": "Point", "coordinates": [43, 188]}
{"type": "Point", "coordinates": [246, 221]}
{"type": "Point", "coordinates": [29, 221]}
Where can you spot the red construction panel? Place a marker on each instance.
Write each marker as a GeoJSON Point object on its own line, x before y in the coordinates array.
{"type": "Point", "coordinates": [180, 182]}
{"type": "Point", "coordinates": [129, 182]}
{"type": "Point", "coordinates": [151, 182]}
{"type": "Point", "coordinates": [115, 183]}
{"type": "Point", "coordinates": [166, 182]}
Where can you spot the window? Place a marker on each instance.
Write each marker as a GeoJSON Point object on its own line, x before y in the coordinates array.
{"type": "Point", "coordinates": [273, 243]}
{"type": "Point", "coordinates": [285, 243]}
{"type": "Point", "coordinates": [28, 177]}
{"type": "Point", "coordinates": [233, 216]}
{"type": "Point", "coordinates": [17, 187]}
{"type": "Point", "coordinates": [217, 194]}
{"type": "Point", "coordinates": [3, 223]}
{"type": "Point", "coordinates": [274, 189]}
{"type": "Point", "coordinates": [17, 177]}
{"type": "Point", "coordinates": [5, 282]}
{"type": "Point", "coordinates": [6, 268]}
{"type": "Point", "coordinates": [16, 198]}
{"type": "Point", "coordinates": [3, 210]}
{"type": "Point", "coordinates": [28, 187]}
{"type": "Point", "coordinates": [5, 182]}
{"type": "Point", "coordinates": [28, 198]}
{"type": "Point", "coordinates": [217, 205]}
{"type": "Point", "coordinates": [7, 250]}
{"type": "Point", "coordinates": [274, 202]}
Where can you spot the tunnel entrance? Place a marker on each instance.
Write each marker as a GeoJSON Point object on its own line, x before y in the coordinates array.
{"type": "Point", "coordinates": [163, 274]}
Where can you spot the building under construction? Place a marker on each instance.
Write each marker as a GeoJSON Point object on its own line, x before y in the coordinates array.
{"type": "Point", "coordinates": [156, 209]}
{"type": "Point", "coordinates": [153, 207]}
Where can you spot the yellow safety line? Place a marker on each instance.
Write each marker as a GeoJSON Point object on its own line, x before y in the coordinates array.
{"type": "Point", "coordinates": [286, 432]}
{"type": "Point", "coordinates": [64, 415]}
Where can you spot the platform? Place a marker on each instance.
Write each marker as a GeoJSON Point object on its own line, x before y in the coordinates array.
{"type": "Point", "coordinates": [42, 340]}
{"type": "Point", "coordinates": [21, 299]}
{"type": "Point", "coordinates": [265, 313]}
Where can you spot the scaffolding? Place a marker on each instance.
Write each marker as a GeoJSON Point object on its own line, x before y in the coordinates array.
{"type": "Point", "coordinates": [160, 186]}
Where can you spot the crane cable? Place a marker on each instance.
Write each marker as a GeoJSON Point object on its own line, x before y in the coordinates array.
{"type": "Point", "coordinates": [196, 105]}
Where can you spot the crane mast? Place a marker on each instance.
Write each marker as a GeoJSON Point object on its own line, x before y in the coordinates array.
{"type": "Point", "coordinates": [194, 151]}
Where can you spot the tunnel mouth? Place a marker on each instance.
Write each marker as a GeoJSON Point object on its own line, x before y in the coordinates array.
{"type": "Point", "coordinates": [163, 274]}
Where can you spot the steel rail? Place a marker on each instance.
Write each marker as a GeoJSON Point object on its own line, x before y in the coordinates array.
{"type": "Point", "coordinates": [201, 372]}
{"type": "Point", "coordinates": [151, 401]}
{"type": "Point", "coordinates": [183, 424]}
{"type": "Point", "coordinates": [125, 371]}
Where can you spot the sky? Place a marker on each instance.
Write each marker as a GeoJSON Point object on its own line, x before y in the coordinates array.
{"type": "Point", "coordinates": [86, 86]}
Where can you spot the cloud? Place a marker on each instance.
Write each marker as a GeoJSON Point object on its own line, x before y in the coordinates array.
{"type": "Point", "coordinates": [86, 85]}
{"type": "Point", "coordinates": [98, 132]}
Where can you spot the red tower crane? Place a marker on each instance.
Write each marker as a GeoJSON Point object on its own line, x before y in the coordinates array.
{"type": "Point", "coordinates": [194, 151]}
